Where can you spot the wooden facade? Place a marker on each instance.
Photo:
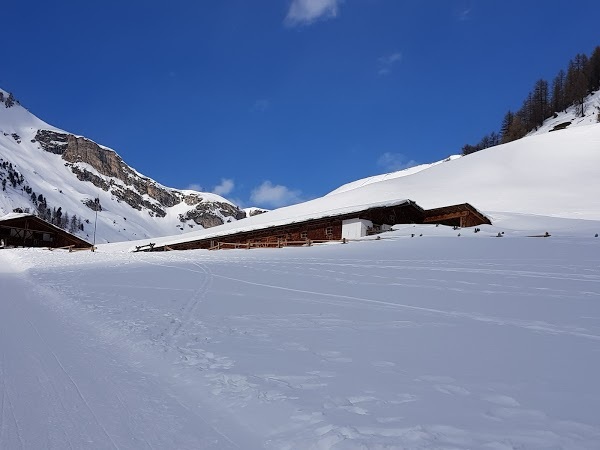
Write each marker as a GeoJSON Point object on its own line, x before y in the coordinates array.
{"type": "Point", "coordinates": [23, 230]}
{"type": "Point", "coordinates": [298, 233]}
{"type": "Point", "coordinates": [328, 228]}
{"type": "Point", "coordinates": [463, 216]}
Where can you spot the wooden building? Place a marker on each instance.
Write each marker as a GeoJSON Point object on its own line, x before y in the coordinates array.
{"type": "Point", "coordinates": [325, 227]}
{"type": "Point", "coordinates": [463, 216]}
{"type": "Point", "coordinates": [27, 230]}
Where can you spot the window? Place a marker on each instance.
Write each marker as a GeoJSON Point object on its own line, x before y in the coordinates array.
{"type": "Point", "coordinates": [304, 235]}
{"type": "Point", "coordinates": [329, 231]}
{"type": "Point", "coordinates": [17, 233]}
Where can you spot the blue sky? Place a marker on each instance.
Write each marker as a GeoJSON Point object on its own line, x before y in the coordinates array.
{"type": "Point", "coordinates": [270, 102]}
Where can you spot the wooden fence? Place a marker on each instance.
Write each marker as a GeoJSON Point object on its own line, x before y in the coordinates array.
{"type": "Point", "coordinates": [271, 244]}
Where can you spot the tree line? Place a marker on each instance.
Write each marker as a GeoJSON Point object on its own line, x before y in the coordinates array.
{"type": "Point", "coordinates": [10, 176]}
{"type": "Point", "coordinates": [568, 88]}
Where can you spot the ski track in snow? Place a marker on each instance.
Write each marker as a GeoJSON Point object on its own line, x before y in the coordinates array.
{"type": "Point", "coordinates": [75, 394]}
{"type": "Point", "coordinates": [72, 381]}
{"type": "Point", "coordinates": [338, 347]}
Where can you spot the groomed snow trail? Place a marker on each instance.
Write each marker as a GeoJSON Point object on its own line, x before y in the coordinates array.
{"type": "Point", "coordinates": [63, 387]}
{"type": "Point", "coordinates": [434, 342]}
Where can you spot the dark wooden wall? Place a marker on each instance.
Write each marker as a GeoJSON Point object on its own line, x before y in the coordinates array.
{"type": "Point", "coordinates": [330, 228]}
{"type": "Point", "coordinates": [324, 229]}
{"type": "Point", "coordinates": [29, 232]}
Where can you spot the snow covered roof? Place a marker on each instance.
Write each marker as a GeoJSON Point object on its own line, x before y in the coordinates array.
{"type": "Point", "coordinates": [15, 215]}
{"type": "Point", "coordinates": [334, 205]}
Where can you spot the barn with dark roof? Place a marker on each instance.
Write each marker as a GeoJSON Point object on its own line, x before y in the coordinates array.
{"type": "Point", "coordinates": [347, 223]}
{"type": "Point", "coordinates": [27, 230]}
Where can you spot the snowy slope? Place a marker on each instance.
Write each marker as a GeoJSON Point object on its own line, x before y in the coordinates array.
{"type": "Point", "coordinates": [434, 342]}
{"type": "Point", "coordinates": [48, 174]}
{"type": "Point", "coordinates": [553, 174]}
{"type": "Point", "coordinates": [570, 118]}
{"type": "Point", "coordinates": [390, 175]}
{"type": "Point", "coordinates": [562, 149]}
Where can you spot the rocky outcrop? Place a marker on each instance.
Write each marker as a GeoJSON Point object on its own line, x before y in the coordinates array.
{"type": "Point", "coordinates": [75, 149]}
{"type": "Point", "coordinates": [227, 209]}
{"type": "Point", "coordinates": [85, 175]}
{"type": "Point", "coordinates": [205, 214]}
{"type": "Point", "coordinates": [192, 199]}
{"type": "Point", "coordinates": [51, 141]}
{"type": "Point", "coordinates": [115, 176]}
{"type": "Point", "coordinates": [257, 211]}
{"type": "Point", "coordinates": [93, 204]}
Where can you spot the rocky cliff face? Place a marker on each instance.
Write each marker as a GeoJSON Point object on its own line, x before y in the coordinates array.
{"type": "Point", "coordinates": [110, 173]}
{"type": "Point", "coordinates": [203, 213]}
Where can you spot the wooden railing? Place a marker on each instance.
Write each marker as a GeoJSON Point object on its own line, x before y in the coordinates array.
{"type": "Point", "coordinates": [271, 244]}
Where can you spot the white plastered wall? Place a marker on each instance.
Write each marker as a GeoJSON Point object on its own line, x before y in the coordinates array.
{"type": "Point", "coordinates": [355, 228]}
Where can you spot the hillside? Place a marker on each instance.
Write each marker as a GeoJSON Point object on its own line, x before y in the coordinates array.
{"type": "Point", "coordinates": [569, 118]}
{"type": "Point", "coordinates": [552, 174]}
{"type": "Point", "coordinates": [43, 168]}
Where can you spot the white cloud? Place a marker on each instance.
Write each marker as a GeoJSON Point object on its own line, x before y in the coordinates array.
{"type": "Point", "coordinates": [464, 14]}
{"type": "Point", "coordinates": [392, 162]}
{"type": "Point", "coordinates": [391, 59]}
{"type": "Point", "coordinates": [261, 105]}
{"type": "Point", "coordinates": [305, 12]}
{"type": "Point", "coordinates": [386, 62]}
{"type": "Point", "coordinates": [463, 10]}
{"type": "Point", "coordinates": [275, 196]}
{"type": "Point", "coordinates": [195, 187]}
{"type": "Point", "coordinates": [225, 187]}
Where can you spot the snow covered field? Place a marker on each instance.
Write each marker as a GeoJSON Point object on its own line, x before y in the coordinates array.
{"type": "Point", "coordinates": [432, 342]}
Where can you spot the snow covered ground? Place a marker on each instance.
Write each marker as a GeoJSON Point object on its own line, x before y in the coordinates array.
{"type": "Point", "coordinates": [437, 341]}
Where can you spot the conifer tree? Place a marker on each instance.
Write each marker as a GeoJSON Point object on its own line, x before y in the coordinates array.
{"type": "Point", "coordinates": [516, 130]}
{"type": "Point", "coordinates": [576, 86]}
{"type": "Point", "coordinates": [73, 224]}
{"type": "Point", "coordinates": [558, 92]}
{"type": "Point", "coordinates": [594, 70]}
{"type": "Point", "coordinates": [541, 103]}
{"type": "Point", "coordinates": [10, 101]}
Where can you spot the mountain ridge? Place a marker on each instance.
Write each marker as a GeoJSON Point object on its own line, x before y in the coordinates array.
{"type": "Point", "coordinates": [38, 160]}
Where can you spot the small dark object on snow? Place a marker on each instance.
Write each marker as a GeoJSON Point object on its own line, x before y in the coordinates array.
{"type": "Point", "coordinates": [500, 234]}
{"type": "Point", "coordinates": [421, 235]}
{"type": "Point", "coordinates": [412, 235]}
{"type": "Point", "coordinates": [458, 234]}
{"type": "Point", "coordinates": [596, 235]}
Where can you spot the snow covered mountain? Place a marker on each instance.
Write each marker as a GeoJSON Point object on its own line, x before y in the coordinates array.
{"type": "Point", "coordinates": [58, 175]}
